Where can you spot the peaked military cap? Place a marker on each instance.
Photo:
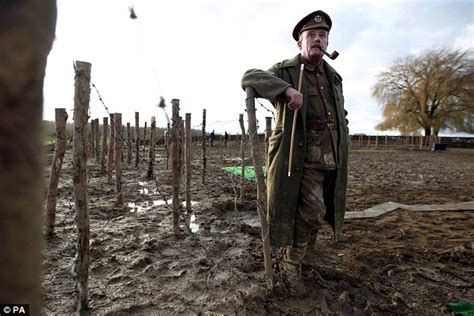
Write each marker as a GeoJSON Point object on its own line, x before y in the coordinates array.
{"type": "Point", "coordinates": [315, 20]}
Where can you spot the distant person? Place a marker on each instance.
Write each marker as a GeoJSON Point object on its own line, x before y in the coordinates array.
{"type": "Point", "coordinates": [316, 189]}
{"type": "Point", "coordinates": [226, 139]}
{"type": "Point", "coordinates": [213, 138]}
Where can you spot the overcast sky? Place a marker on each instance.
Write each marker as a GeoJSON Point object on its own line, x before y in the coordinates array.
{"type": "Point", "coordinates": [197, 51]}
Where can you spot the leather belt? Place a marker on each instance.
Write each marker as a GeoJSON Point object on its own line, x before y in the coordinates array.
{"type": "Point", "coordinates": [321, 125]}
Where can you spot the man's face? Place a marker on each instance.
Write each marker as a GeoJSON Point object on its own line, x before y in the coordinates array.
{"type": "Point", "coordinates": [309, 42]}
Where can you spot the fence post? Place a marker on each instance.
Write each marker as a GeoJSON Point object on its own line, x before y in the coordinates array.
{"type": "Point", "coordinates": [129, 144]}
{"type": "Point", "coordinates": [118, 160]}
{"type": "Point", "coordinates": [110, 156]}
{"type": "Point", "coordinates": [144, 140]}
{"type": "Point", "coordinates": [261, 190]}
{"type": "Point", "coordinates": [105, 129]}
{"type": "Point", "coordinates": [97, 140]}
{"type": "Point", "coordinates": [242, 154]}
{"type": "Point", "coordinates": [151, 150]}
{"type": "Point", "coordinates": [188, 157]}
{"type": "Point", "coordinates": [81, 106]}
{"type": "Point", "coordinates": [175, 165]}
{"type": "Point", "coordinates": [56, 166]}
{"type": "Point", "coordinates": [137, 139]}
{"type": "Point", "coordinates": [167, 144]}
{"type": "Point", "coordinates": [204, 146]}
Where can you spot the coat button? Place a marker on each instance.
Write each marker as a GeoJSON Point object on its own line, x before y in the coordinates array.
{"type": "Point", "coordinates": [300, 144]}
{"type": "Point", "coordinates": [297, 169]}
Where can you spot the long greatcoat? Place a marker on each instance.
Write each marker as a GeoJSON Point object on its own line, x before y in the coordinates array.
{"type": "Point", "coordinates": [283, 191]}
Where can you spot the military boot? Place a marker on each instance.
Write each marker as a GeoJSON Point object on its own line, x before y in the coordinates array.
{"type": "Point", "coordinates": [310, 253]}
{"type": "Point", "coordinates": [294, 277]}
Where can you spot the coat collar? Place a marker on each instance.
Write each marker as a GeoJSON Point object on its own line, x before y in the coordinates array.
{"type": "Point", "coordinates": [296, 61]}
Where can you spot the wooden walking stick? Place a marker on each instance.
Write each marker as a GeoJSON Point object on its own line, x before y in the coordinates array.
{"type": "Point", "coordinates": [293, 128]}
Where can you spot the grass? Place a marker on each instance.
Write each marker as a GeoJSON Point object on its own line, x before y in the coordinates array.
{"type": "Point", "coordinates": [461, 150]}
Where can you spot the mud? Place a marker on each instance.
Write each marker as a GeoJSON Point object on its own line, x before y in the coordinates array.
{"type": "Point", "coordinates": [401, 263]}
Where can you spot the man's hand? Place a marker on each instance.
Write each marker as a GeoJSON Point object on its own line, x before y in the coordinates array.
{"type": "Point", "coordinates": [294, 98]}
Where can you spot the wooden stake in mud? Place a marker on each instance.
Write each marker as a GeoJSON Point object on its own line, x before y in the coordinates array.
{"type": "Point", "coordinates": [110, 156]}
{"type": "Point", "coordinates": [261, 190]}
{"type": "Point", "coordinates": [56, 166]}
{"type": "Point", "coordinates": [293, 128]}
{"type": "Point", "coordinates": [188, 157]}
{"type": "Point", "coordinates": [242, 154]}
{"type": "Point", "coordinates": [151, 153]}
{"type": "Point", "coordinates": [97, 140]}
{"type": "Point", "coordinates": [181, 137]}
{"type": "Point", "coordinates": [167, 145]}
{"type": "Point", "coordinates": [137, 139]}
{"type": "Point", "coordinates": [144, 140]}
{"type": "Point", "coordinates": [204, 146]}
{"type": "Point", "coordinates": [268, 133]}
{"type": "Point", "coordinates": [129, 144]}
{"type": "Point", "coordinates": [79, 158]}
{"type": "Point", "coordinates": [175, 165]}
{"type": "Point", "coordinates": [26, 36]}
{"type": "Point", "coordinates": [118, 160]}
{"type": "Point", "coordinates": [105, 130]}
{"type": "Point", "coordinates": [92, 139]}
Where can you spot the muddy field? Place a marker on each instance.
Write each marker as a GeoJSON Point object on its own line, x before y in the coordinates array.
{"type": "Point", "coordinates": [400, 263]}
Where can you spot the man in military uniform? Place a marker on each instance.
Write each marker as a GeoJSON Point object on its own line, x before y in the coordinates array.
{"type": "Point", "coordinates": [316, 188]}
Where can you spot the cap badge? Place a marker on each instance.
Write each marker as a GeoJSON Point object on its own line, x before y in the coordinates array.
{"type": "Point", "coordinates": [317, 19]}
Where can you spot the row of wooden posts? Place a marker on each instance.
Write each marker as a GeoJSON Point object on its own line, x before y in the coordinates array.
{"type": "Point", "coordinates": [373, 141]}
{"type": "Point", "coordinates": [110, 158]}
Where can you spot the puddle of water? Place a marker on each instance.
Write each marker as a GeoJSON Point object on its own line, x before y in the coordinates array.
{"type": "Point", "coordinates": [147, 206]}
{"type": "Point", "coordinates": [253, 222]}
{"type": "Point", "coordinates": [138, 208]}
{"type": "Point", "coordinates": [193, 226]}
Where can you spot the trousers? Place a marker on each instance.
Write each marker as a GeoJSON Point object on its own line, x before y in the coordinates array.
{"type": "Point", "coordinates": [310, 210]}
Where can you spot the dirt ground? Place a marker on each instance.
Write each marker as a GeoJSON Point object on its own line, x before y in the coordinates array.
{"type": "Point", "coordinates": [401, 263]}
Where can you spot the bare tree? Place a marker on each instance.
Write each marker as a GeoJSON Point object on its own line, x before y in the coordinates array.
{"type": "Point", "coordinates": [432, 91]}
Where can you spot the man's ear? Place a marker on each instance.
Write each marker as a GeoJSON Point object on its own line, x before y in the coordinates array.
{"type": "Point", "coordinates": [299, 44]}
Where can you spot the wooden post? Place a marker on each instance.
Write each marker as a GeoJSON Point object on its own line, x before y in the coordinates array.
{"type": "Point", "coordinates": [26, 36]}
{"type": "Point", "coordinates": [129, 144]}
{"type": "Point", "coordinates": [144, 140]}
{"type": "Point", "coordinates": [386, 140]}
{"type": "Point", "coordinates": [261, 190]}
{"type": "Point", "coordinates": [180, 145]}
{"type": "Point", "coordinates": [81, 107]}
{"type": "Point", "coordinates": [110, 156]}
{"type": "Point", "coordinates": [174, 165]}
{"type": "Point", "coordinates": [360, 140]}
{"type": "Point", "coordinates": [203, 146]}
{"type": "Point", "coordinates": [56, 166]}
{"type": "Point", "coordinates": [376, 141]}
{"type": "Point", "coordinates": [151, 150]}
{"type": "Point", "coordinates": [188, 158]}
{"type": "Point", "coordinates": [242, 154]}
{"type": "Point", "coordinates": [118, 160]}
{"type": "Point", "coordinates": [421, 142]}
{"type": "Point", "coordinates": [97, 140]}
{"type": "Point", "coordinates": [167, 145]}
{"type": "Point", "coordinates": [105, 130]}
{"type": "Point", "coordinates": [268, 133]}
{"type": "Point", "coordinates": [137, 139]}
{"type": "Point", "coordinates": [368, 141]}
{"type": "Point", "coordinates": [92, 139]}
